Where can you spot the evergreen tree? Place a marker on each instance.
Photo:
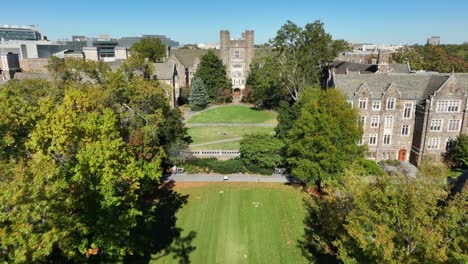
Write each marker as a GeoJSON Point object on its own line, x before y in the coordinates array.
{"type": "Point", "coordinates": [212, 72]}
{"type": "Point", "coordinates": [198, 99]}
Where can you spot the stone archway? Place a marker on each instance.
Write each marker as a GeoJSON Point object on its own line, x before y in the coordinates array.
{"type": "Point", "coordinates": [237, 92]}
{"type": "Point", "coordinates": [402, 155]}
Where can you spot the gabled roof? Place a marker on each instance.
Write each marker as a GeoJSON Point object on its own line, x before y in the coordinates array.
{"type": "Point", "coordinates": [164, 71]}
{"type": "Point", "coordinates": [343, 67]}
{"type": "Point", "coordinates": [411, 86]}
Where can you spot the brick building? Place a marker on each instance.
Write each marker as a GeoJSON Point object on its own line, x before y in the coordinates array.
{"type": "Point", "coordinates": [407, 116]}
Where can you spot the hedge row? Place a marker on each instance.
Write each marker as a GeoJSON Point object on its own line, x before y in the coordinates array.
{"type": "Point", "coordinates": [229, 166]}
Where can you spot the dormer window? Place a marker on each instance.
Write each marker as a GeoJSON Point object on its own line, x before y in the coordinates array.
{"type": "Point", "coordinates": [363, 103]}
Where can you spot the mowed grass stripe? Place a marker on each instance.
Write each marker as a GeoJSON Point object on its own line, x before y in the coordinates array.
{"type": "Point", "coordinates": [231, 229]}
{"type": "Point", "coordinates": [235, 114]}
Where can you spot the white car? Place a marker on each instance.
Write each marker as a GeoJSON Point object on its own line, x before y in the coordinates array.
{"type": "Point", "coordinates": [225, 178]}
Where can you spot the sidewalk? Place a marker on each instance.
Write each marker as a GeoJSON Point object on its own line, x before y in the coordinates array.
{"type": "Point", "coordinates": [212, 177]}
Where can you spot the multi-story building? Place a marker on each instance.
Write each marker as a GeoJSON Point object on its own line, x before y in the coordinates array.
{"type": "Point", "coordinates": [237, 55]}
{"type": "Point", "coordinates": [10, 32]}
{"type": "Point", "coordinates": [407, 116]}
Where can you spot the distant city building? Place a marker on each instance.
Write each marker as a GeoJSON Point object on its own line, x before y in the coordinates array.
{"type": "Point", "coordinates": [11, 32]}
{"type": "Point", "coordinates": [434, 40]}
{"type": "Point", "coordinates": [208, 45]}
{"type": "Point", "coordinates": [237, 55]}
{"type": "Point", "coordinates": [78, 38]}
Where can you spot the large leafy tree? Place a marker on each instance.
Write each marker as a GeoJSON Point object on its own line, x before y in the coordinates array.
{"type": "Point", "coordinates": [212, 72]}
{"type": "Point", "coordinates": [265, 81]}
{"type": "Point", "coordinates": [77, 70]}
{"type": "Point", "coordinates": [198, 99]}
{"type": "Point", "coordinates": [261, 149]}
{"type": "Point", "coordinates": [387, 219]}
{"type": "Point", "coordinates": [322, 142]}
{"type": "Point", "coordinates": [151, 48]}
{"type": "Point", "coordinates": [302, 53]}
{"type": "Point", "coordinates": [81, 170]}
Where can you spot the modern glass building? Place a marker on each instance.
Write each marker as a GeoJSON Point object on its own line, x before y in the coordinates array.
{"type": "Point", "coordinates": [19, 33]}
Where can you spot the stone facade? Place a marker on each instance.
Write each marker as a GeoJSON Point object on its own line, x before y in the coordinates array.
{"type": "Point", "coordinates": [237, 55]}
{"type": "Point", "coordinates": [407, 116]}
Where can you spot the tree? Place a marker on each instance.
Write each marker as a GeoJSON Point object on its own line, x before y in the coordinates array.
{"type": "Point", "coordinates": [198, 99]}
{"type": "Point", "coordinates": [322, 142]}
{"type": "Point", "coordinates": [151, 48]}
{"type": "Point", "coordinates": [457, 154]}
{"type": "Point", "coordinates": [302, 53]}
{"type": "Point", "coordinates": [81, 176]}
{"type": "Point", "coordinates": [261, 149]}
{"type": "Point", "coordinates": [265, 80]}
{"type": "Point", "coordinates": [212, 72]}
{"type": "Point", "coordinates": [387, 219]}
{"type": "Point", "coordinates": [78, 70]}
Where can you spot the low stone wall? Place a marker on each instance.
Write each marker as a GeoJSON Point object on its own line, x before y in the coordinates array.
{"type": "Point", "coordinates": [219, 154]}
{"type": "Point", "coordinates": [34, 65]}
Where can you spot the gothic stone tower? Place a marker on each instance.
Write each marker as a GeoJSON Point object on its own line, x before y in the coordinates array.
{"type": "Point", "coordinates": [237, 55]}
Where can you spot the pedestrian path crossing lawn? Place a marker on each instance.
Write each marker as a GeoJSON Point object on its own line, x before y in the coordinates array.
{"type": "Point", "coordinates": [241, 223]}
{"type": "Point", "coordinates": [235, 114]}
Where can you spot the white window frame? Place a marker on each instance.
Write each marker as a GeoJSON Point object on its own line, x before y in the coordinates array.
{"type": "Point", "coordinates": [363, 103]}
{"type": "Point", "coordinates": [389, 124]}
{"type": "Point", "coordinates": [449, 125]}
{"type": "Point", "coordinates": [448, 106]}
{"type": "Point", "coordinates": [387, 140]}
{"type": "Point", "coordinates": [434, 124]}
{"type": "Point", "coordinates": [376, 105]}
{"type": "Point", "coordinates": [373, 139]}
{"type": "Point", "coordinates": [362, 121]}
{"type": "Point", "coordinates": [410, 107]}
{"type": "Point", "coordinates": [433, 143]}
{"type": "Point", "coordinates": [376, 123]}
{"type": "Point", "coordinates": [403, 130]}
{"type": "Point", "coordinates": [391, 101]}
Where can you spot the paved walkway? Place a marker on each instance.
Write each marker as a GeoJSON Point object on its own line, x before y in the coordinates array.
{"type": "Point", "coordinates": [216, 142]}
{"type": "Point", "coordinates": [228, 125]}
{"type": "Point", "coordinates": [232, 178]}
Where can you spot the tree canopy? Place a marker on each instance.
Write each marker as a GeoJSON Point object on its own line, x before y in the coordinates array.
{"type": "Point", "coordinates": [151, 48]}
{"type": "Point", "coordinates": [81, 169]}
{"type": "Point", "coordinates": [261, 149]}
{"type": "Point", "coordinates": [212, 72]}
{"type": "Point", "coordinates": [434, 58]}
{"type": "Point", "coordinates": [387, 219]}
{"type": "Point", "coordinates": [322, 142]}
{"type": "Point", "coordinates": [302, 53]}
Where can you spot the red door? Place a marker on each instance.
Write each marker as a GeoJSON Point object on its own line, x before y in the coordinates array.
{"type": "Point", "coordinates": [402, 155]}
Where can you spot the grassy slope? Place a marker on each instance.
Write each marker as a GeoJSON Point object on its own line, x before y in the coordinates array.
{"type": "Point", "coordinates": [231, 145]}
{"type": "Point", "coordinates": [230, 229]}
{"type": "Point", "coordinates": [209, 134]}
{"type": "Point", "coordinates": [234, 114]}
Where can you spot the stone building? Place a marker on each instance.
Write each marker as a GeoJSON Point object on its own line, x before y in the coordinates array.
{"type": "Point", "coordinates": [407, 116]}
{"type": "Point", "coordinates": [237, 55]}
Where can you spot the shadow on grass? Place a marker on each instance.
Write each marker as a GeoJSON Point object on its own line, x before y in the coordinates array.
{"type": "Point", "coordinates": [309, 243]}
{"type": "Point", "coordinates": [160, 233]}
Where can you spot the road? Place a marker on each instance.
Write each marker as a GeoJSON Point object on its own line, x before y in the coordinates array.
{"type": "Point", "coordinates": [183, 177]}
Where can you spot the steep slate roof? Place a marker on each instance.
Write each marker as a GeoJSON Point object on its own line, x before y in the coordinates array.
{"type": "Point", "coordinates": [164, 71]}
{"type": "Point", "coordinates": [188, 56]}
{"type": "Point", "coordinates": [411, 86]}
{"type": "Point", "coordinates": [364, 68]}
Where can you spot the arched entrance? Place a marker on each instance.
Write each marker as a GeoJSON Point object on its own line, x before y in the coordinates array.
{"type": "Point", "coordinates": [402, 155]}
{"type": "Point", "coordinates": [237, 92]}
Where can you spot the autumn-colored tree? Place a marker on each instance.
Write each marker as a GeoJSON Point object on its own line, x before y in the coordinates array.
{"type": "Point", "coordinates": [387, 219]}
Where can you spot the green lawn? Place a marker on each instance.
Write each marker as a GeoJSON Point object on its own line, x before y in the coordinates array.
{"type": "Point", "coordinates": [209, 134]}
{"type": "Point", "coordinates": [241, 223]}
{"type": "Point", "coordinates": [235, 114]}
{"type": "Point", "coordinates": [231, 145]}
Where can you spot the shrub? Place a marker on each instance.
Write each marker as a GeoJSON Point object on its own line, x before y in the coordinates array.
{"type": "Point", "coordinates": [252, 168]}
{"type": "Point", "coordinates": [389, 162]}
{"type": "Point", "coordinates": [372, 168]}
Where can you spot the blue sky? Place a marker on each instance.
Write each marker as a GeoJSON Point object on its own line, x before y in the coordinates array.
{"type": "Point", "coordinates": [194, 21]}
